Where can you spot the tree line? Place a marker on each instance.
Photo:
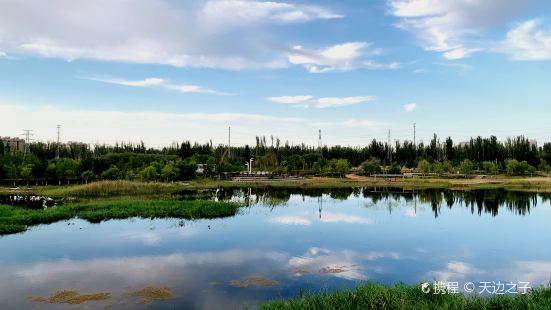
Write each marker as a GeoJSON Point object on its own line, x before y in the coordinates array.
{"type": "Point", "coordinates": [55, 163]}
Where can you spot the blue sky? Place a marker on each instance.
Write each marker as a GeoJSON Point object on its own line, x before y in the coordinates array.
{"type": "Point", "coordinates": [164, 70]}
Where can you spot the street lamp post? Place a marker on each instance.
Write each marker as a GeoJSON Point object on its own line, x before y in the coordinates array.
{"type": "Point", "coordinates": [251, 165]}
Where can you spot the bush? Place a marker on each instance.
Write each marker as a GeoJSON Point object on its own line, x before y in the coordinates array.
{"type": "Point", "coordinates": [423, 166]}
{"type": "Point", "coordinates": [112, 173]}
{"type": "Point", "coordinates": [490, 167]}
{"type": "Point", "coordinates": [466, 167]}
{"type": "Point", "coordinates": [516, 168]}
{"type": "Point", "coordinates": [371, 166]}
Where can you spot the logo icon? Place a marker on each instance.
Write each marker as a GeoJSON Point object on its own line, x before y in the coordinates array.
{"type": "Point", "coordinates": [425, 287]}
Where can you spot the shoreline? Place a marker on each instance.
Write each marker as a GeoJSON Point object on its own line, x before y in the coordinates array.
{"type": "Point", "coordinates": [123, 187]}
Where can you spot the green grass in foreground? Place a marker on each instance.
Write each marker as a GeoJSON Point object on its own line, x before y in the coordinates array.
{"type": "Point", "coordinates": [17, 219]}
{"type": "Point", "coordinates": [374, 296]}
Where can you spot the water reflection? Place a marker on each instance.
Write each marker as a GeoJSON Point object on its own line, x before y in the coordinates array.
{"type": "Point", "coordinates": [481, 201]}
{"type": "Point", "coordinates": [286, 241]}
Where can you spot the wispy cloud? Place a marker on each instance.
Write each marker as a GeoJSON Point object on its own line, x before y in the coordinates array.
{"type": "Point", "coordinates": [183, 88]}
{"type": "Point", "coordinates": [527, 41]}
{"type": "Point", "coordinates": [462, 68]}
{"type": "Point", "coordinates": [133, 83]}
{"type": "Point", "coordinates": [324, 102]}
{"type": "Point", "coordinates": [410, 107]}
{"type": "Point", "coordinates": [340, 57]}
{"type": "Point", "coordinates": [241, 11]}
{"type": "Point", "coordinates": [449, 26]}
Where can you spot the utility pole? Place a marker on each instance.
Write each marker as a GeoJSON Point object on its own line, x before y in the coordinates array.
{"type": "Point", "coordinates": [58, 146]}
{"type": "Point", "coordinates": [27, 133]}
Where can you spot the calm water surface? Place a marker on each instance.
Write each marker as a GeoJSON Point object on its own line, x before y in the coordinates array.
{"type": "Point", "coordinates": [294, 241]}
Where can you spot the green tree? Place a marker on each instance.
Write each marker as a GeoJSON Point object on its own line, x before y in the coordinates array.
{"type": "Point", "coordinates": [113, 173]}
{"type": "Point", "coordinates": [342, 167]}
{"type": "Point", "coordinates": [87, 176]}
{"type": "Point", "coordinates": [544, 166]}
{"type": "Point", "coordinates": [26, 172]}
{"type": "Point", "coordinates": [371, 166]}
{"type": "Point", "coordinates": [170, 172]}
{"type": "Point", "coordinates": [466, 167]}
{"type": "Point", "coordinates": [436, 167]}
{"type": "Point", "coordinates": [490, 167]}
{"type": "Point", "coordinates": [447, 167]}
{"type": "Point", "coordinates": [149, 173]}
{"type": "Point", "coordinates": [423, 166]}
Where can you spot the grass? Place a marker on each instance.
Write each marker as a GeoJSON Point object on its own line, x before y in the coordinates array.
{"type": "Point", "coordinates": [374, 296]}
{"type": "Point", "coordinates": [155, 189]}
{"type": "Point", "coordinates": [109, 189]}
{"type": "Point", "coordinates": [17, 219]}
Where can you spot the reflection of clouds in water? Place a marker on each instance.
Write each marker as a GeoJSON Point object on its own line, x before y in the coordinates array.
{"type": "Point", "coordinates": [154, 238]}
{"type": "Point", "coordinates": [329, 217]}
{"type": "Point", "coordinates": [410, 212]}
{"type": "Point", "coordinates": [140, 269]}
{"type": "Point", "coordinates": [343, 264]}
{"type": "Point", "coordinates": [326, 217]}
{"type": "Point", "coordinates": [148, 238]}
{"type": "Point", "coordinates": [455, 271]}
{"type": "Point", "coordinates": [535, 272]}
{"type": "Point", "coordinates": [291, 220]}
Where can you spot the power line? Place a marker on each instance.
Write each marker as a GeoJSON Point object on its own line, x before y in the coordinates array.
{"type": "Point", "coordinates": [27, 133]}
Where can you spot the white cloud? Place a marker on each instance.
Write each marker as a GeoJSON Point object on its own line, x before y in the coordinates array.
{"type": "Point", "coordinates": [183, 88]}
{"type": "Point", "coordinates": [233, 35]}
{"type": "Point", "coordinates": [188, 88]}
{"type": "Point", "coordinates": [303, 101]}
{"type": "Point", "coordinates": [410, 107]}
{"type": "Point", "coordinates": [324, 102]}
{"type": "Point", "coordinates": [258, 11]}
{"type": "Point", "coordinates": [528, 42]}
{"type": "Point", "coordinates": [329, 102]}
{"type": "Point", "coordinates": [340, 57]}
{"type": "Point", "coordinates": [133, 83]}
{"type": "Point", "coordinates": [460, 53]}
{"type": "Point", "coordinates": [451, 26]}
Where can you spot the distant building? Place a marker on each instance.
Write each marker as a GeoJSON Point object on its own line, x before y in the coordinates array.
{"type": "Point", "coordinates": [200, 168]}
{"type": "Point", "coordinates": [15, 145]}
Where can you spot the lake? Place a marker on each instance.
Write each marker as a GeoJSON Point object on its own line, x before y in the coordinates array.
{"type": "Point", "coordinates": [282, 243]}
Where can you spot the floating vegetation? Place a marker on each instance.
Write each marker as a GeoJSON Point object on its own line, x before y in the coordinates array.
{"type": "Point", "coordinates": [336, 269]}
{"type": "Point", "coordinates": [15, 219]}
{"type": "Point", "coordinates": [150, 294]}
{"type": "Point", "coordinates": [72, 297]}
{"type": "Point", "coordinates": [299, 272]}
{"type": "Point", "coordinates": [253, 281]}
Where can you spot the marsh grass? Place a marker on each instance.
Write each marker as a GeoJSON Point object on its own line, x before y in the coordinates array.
{"type": "Point", "coordinates": [375, 296]}
{"type": "Point", "coordinates": [15, 219]}
{"type": "Point", "coordinates": [110, 189]}
{"type": "Point", "coordinates": [156, 189]}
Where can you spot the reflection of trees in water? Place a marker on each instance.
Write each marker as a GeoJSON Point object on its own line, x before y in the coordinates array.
{"type": "Point", "coordinates": [487, 201]}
